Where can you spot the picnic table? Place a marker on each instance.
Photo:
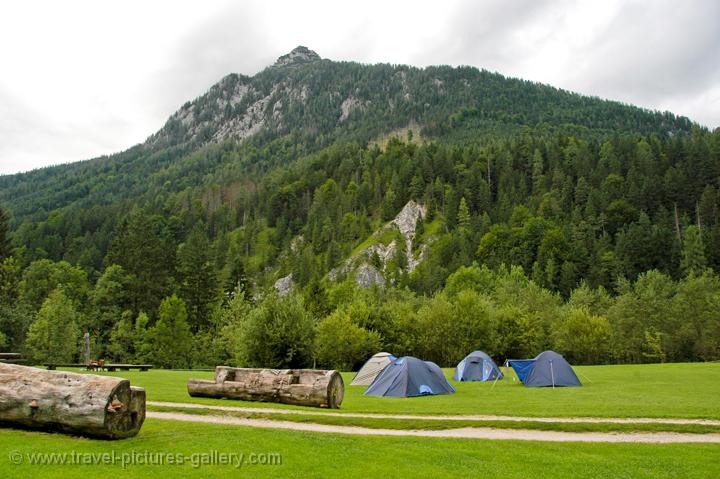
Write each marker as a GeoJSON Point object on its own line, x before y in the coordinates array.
{"type": "Point", "coordinates": [100, 367]}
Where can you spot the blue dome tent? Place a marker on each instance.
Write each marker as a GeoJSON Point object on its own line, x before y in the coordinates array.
{"type": "Point", "coordinates": [408, 377]}
{"type": "Point", "coordinates": [477, 366]}
{"type": "Point", "coordinates": [547, 369]}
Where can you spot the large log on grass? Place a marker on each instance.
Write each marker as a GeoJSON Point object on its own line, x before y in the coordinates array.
{"type": "Point", "coordinates": [302, 387]}
{"type": "Point", "coordinates": [87, 404]}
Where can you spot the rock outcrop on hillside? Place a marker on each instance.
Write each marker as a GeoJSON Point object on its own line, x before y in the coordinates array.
{"type": "Point", "coordinates": [406, 225]}
{"type": "Point", "coordinates": [298, 55]}
{"type": "Point", "coordinates": [284, 285]}
{"type": "Point", "coordinates": [366, 275]}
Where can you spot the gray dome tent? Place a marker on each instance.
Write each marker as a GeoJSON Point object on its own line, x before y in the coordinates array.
{"type": "Point", "coordinates": [408, 377]}
{"type": "Point", "coordinates": [547, 369]}
{"type": "Point", "coordinates": [372, 368]}
{"type": "Point", "coordinates": [477, 366]}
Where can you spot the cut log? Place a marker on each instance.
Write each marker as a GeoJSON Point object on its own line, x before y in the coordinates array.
{"type": "Point", "coordinates": [301, 387]}
{"type": "Point", "coordinates": [87, 404]}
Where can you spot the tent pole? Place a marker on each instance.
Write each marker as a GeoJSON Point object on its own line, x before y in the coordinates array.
{"type": "Point", "coordinates": [552, 374]}
{"type": "Point", "coordinates": [496, 378]}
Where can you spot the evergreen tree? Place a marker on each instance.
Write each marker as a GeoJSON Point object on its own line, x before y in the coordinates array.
{"type": "Point", "coordinates": [55, 336]}
{"type": "Point", "coordinates": [417, 187]}
{"type": "Point", "coordinates": [708, 207]}
{"type": "Point", "coordinates": [9, 280]}
{"type": "Point", "coordinates": [124, 339]}
{"type": "Point", "coordinates": [388, 206]}
{"type": "Point", "coordinates": [237, 280]}
{"type": "Point", "coordinates": [463, 215]}
{"type": "Point", "coordinates": [109, 299]}
{"type": "Point", "coordinates": [5, 246]}
{"type": "Point", "coordinates": [197, 278]}
{"type": "Point", "coordinates": [693, 260]}
{"type": "Point", "coordinates": [144, 247]}
{"type": "Point", "coordinates": [170, 339]}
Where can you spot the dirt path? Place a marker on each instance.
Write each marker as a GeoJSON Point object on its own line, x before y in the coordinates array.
{"type": "Point", "coordinates": [463, 433]}
{"type": "Point", "coordinates": [266, 410]}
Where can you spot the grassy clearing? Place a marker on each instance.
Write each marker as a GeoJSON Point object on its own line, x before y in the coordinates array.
{"type": "Point", "coordinates": [655, 390]}
{"type": "Point", "coordinates": [330, 455]}
{"type": "Point", "coordinates": [432, 229]}
{"type": "Point", "coordinates": [383, 237]}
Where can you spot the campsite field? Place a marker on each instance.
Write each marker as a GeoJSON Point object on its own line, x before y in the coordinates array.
{"type": "Point", "coordinates": [689, 390]}
{"type": "Point", "coordinates": [659, 391]}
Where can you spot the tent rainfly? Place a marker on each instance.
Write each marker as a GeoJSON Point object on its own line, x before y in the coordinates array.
{"type": "Point", "coordinates": [477, 366]}
{"type": "Point", "coordinates": [372, 368]}
{"type": "Point", "coordinates": [547, 369]}
{"type": "Point", "coordinates": [408, 377]}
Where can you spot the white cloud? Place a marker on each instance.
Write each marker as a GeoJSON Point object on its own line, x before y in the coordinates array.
{"type": "Point", "coordinates": [85, 78]}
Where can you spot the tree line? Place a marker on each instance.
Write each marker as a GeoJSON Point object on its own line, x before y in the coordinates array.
{"type": "Point", "coordinates": [339, 324]}
{"type": "Point", "coordinates": [628, 222]}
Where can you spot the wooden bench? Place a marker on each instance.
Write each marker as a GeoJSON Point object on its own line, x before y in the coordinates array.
{"type": "Point", "coordinates": [106, 367]}
{"type": "Point", "coordinates": [10, 355]}
{"type": "Point", "coordinates": [13, 358]}
{"type": "Point", "coordinates": [15, 361]}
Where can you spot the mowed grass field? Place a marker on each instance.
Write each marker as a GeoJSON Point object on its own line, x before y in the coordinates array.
{"type": "Point", "coordinates": [651, 390]}
{"type": "Point", "coordinates": [308, 455]}
{"type": "Point", "coordinates": [660, 391]}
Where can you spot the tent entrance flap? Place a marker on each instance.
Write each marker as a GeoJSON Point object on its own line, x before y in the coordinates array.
{"type": "Point", "coordinates": [477, 366]}
{"type": "Point", "coordinates": [522, 367]}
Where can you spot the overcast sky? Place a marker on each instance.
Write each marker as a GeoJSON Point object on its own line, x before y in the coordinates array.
{"type": "Point", "coordinates": [79, 79]}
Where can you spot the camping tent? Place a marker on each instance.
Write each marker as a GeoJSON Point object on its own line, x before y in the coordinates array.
{"type": "Point", "coordinates": [407, 377]}
{"type": "Point", "coordinates": [372, 368]}
{"type": "Point", "coordinates": [477, 366]}
{"type": "Point", "coordinates": [547, 369]}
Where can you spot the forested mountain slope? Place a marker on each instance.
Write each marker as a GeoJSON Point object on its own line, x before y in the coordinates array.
{"type": "Point", "coordinates": [304, 103]}
{"type": "Point", "coordinates": [558, 214]}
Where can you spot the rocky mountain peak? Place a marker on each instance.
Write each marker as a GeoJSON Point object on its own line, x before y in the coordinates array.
{"type": "Point", "coordinates": [299, 55]}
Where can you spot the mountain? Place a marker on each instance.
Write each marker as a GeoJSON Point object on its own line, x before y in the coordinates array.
{"type": "Point", "coordinates": [304, 95]}
{"type": "Point", "coordinates": [304, 103]}
{"type": "Point", "coordinates": [265, 148]}
{"type": "Point", "coordinates": [427, 212]}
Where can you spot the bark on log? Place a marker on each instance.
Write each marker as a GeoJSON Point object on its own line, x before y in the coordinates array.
{"type": "Point", "coordinates": [302, 387]}
{"type": "Point", "coordinates": [87, 404]}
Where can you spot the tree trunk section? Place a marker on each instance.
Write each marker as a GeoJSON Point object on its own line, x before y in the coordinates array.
{"type": "Point", "coordinates": [301, 387]}
{"type": "Point", "coordinates": [87, 404]}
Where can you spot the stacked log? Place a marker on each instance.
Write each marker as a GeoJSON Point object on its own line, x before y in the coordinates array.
{"type": "Point", "coordinates": [302, 387]}
{"type": "Point", "coordinates": [86, 404]}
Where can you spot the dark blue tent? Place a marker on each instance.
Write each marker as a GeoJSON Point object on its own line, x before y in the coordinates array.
{"type": "Point", "coordinates": [547, 369]}
{"type": "Point", "coordinates": [477, 366]}
{"type": "Point", "coordinates": [407, 377]}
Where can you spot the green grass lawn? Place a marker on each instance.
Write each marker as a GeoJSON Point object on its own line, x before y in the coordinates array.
{"type": "Point", "coordinates": [309, 455]}
{"type": "Point", "coordinates": [671, 390]}
{"type": "Point", "coordinates": [653, 390]}
{"type": "Point", "coordinates": [431, 424]}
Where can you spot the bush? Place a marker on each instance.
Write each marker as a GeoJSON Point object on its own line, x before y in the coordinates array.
{"type": "Point", "coordinates": [278, 333]}
{"type": "Point", "coordinates": [341, 344]}
{"type": "Point", "coordinates": [583, 338]}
